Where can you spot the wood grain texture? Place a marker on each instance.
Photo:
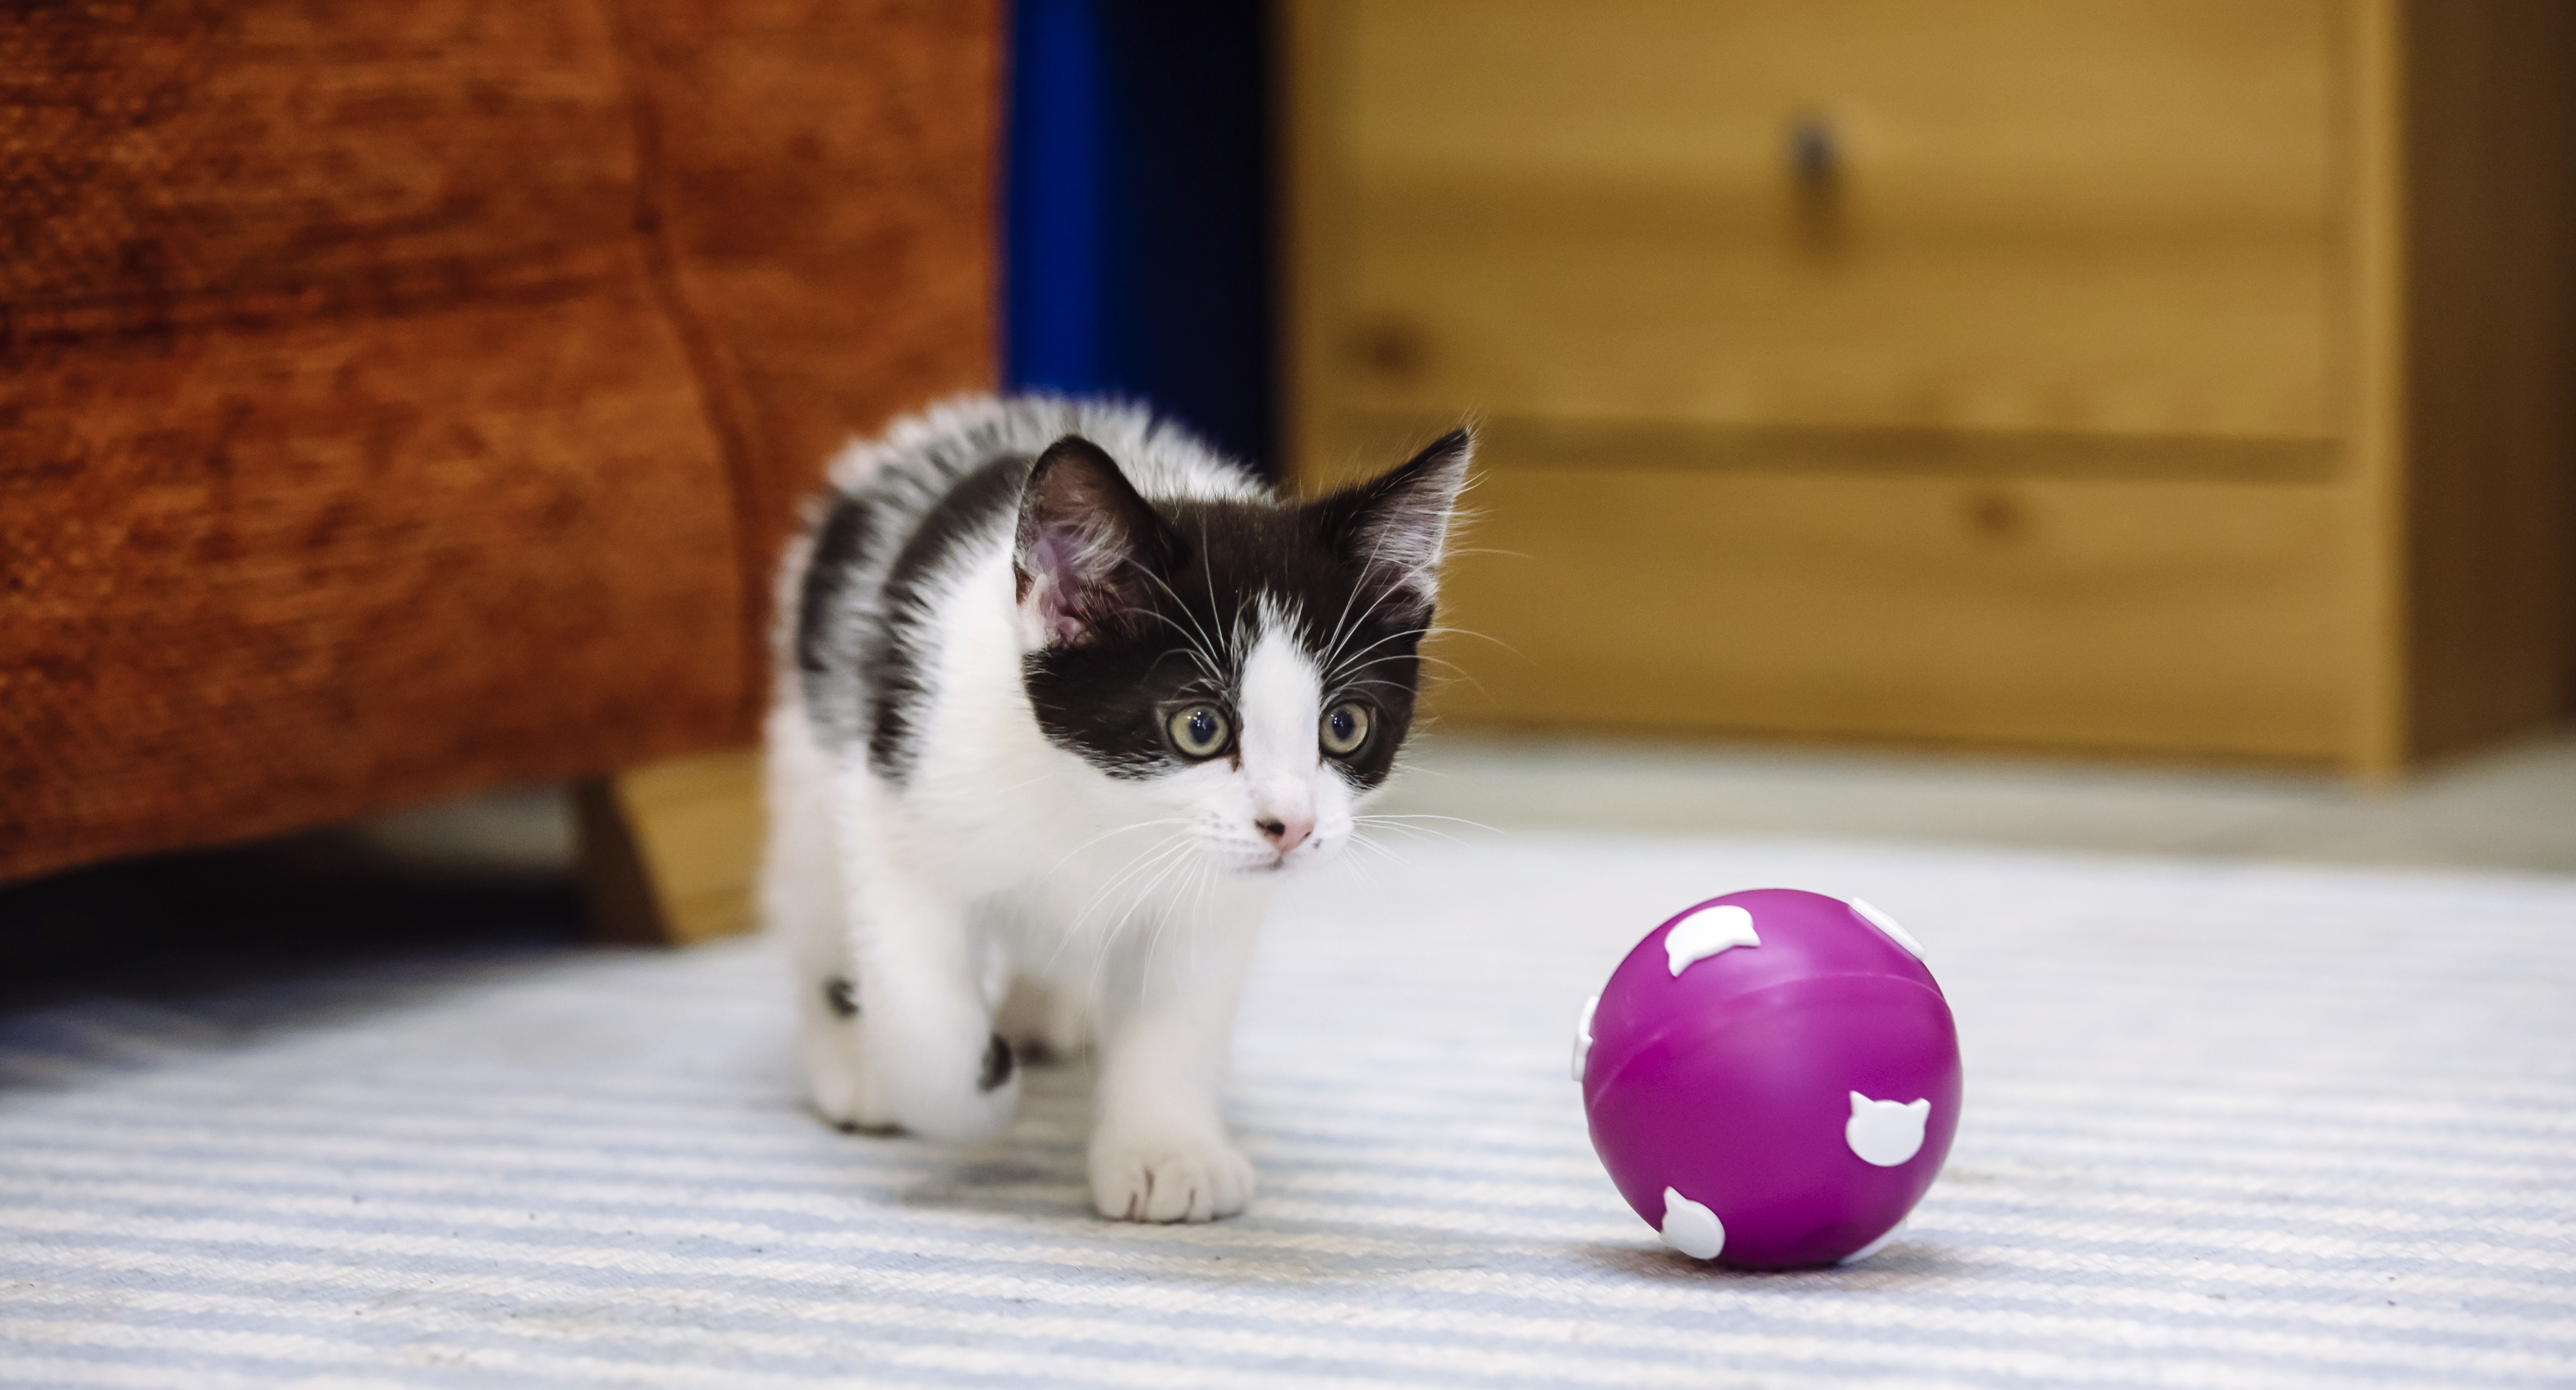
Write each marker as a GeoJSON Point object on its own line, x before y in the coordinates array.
{"type": "Point", "coordinates": [2247, 327]}
{"type": "Point", "coordinates": [2103, 218]}
{"type": "Point", "coordinates": [364, 436]}
{"type": "Point", "coordinates": [2195, 617]}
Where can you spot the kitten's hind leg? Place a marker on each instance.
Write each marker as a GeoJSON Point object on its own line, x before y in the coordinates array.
{"type": "Point", "coordinates": [838, 1079]}
{"type": "Point", "coordinates": [803, 903]}
{"type": "Point", "coordinates": [931, 1053]}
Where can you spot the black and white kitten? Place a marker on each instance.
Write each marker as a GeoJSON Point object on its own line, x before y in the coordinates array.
{"type": "Point", "coordinates": [1061, 694]}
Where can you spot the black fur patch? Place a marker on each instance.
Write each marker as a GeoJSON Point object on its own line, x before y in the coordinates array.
{"type": "Point", "coordinates": [998, 1065]}
{"type": "Point", "coordinates": [838, 548]}
{"type": "Point", "coordinates": [980, 502]}
{"type": "Point", "coordinates": [841, 997]}
{"type": "Point", "coordinates": [1107, 699]}
{"type": "Point", "coordinates": [838, 552]}
{"type": "Point", "coordinates": [1177, 635]}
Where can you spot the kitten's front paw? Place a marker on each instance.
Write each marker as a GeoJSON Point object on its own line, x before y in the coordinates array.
{"type": "Point", "coordinates": [1164, 1178]}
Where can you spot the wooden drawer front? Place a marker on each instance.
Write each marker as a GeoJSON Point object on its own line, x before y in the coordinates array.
{"type": "Point", "coordinates": [2163, 615]}
{"type": "Point", "coordinates": [2103, 217]}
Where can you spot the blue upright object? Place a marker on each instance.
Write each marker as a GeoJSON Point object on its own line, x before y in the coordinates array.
{"type": "Point", "coordinates": [1138, 209]}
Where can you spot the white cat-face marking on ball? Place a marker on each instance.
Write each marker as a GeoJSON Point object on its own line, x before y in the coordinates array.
{"type": "Point", "coordinates": [1697, 937]}
{"type": "Point", "coordinates": [1583, 1036]}
{"type": "Point", "coordinates": [1691, 1228]}
{"type": "Point", "coordinates": [1887, 924]}
{"type": "Point", "coordinates": [1886, 1132]}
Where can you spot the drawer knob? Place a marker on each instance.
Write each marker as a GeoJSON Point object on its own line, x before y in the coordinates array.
{"type": "Point", "coordinates": [1391, 349]}
{"type": "Point", "coordinates": [1995, 516]}
{"type": "Point", "coordinates": [1816, 157]}
{"type": "Point", "coordinates": [1815, 152]}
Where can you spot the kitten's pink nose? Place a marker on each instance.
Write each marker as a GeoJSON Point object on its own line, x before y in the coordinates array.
{"type": "Point", "coordinates": [1287, 834]}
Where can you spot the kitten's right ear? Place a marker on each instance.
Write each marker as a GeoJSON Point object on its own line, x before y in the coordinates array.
{"type": "Point", "coordinates": [1397, 527]}
{"type": "Point", "coordinates": [1086, 544]}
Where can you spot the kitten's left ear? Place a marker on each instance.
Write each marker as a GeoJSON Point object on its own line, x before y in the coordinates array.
{"type": "Point", "coordinates": [1397, 527]}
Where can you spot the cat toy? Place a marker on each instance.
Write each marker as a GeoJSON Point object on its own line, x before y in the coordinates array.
{"type": "Point", "coordinates": [1772, 1078]}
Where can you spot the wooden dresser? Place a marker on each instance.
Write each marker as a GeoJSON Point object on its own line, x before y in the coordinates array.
{"type": "Point", "coordinates": [2173, 376]}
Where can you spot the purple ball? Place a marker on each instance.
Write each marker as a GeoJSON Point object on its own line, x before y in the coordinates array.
{"type": "Point", "coordinates": [1772, 1078]}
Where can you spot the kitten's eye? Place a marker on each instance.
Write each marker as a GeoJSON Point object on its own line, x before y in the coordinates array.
{"type": "Point", "coordinates": [1345, 729]}
{"type": "Point", "coordinates": [1199, 731]}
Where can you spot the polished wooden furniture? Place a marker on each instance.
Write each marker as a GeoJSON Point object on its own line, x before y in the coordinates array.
{"type": "Point", "coordinates": [403, 398]}
{"type": "Point", "coordinates": [2171, 376]}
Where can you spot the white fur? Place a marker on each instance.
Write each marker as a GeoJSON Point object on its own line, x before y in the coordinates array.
{"type": "Point", "coordinates": [1113, 912]}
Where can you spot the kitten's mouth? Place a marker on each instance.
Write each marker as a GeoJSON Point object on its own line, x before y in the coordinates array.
{"type": "Point", "coordinates": [1282, 863]}
{"type": "Point", "coordinates": [1252, 865]}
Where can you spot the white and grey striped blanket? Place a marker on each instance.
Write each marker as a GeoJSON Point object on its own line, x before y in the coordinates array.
{"type": "Point", "coordinates": [2226, 1126]}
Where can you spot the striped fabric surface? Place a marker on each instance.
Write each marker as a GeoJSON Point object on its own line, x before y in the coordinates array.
{"type": "Point", "coordinates": [2227, 1126]}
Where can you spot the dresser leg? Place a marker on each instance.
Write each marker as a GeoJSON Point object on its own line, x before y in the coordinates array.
{"type": "Point", "coordinates": [669, 851]}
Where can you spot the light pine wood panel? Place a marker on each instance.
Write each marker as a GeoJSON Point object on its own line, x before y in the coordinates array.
{"type": "Point", "coordinates": [2135, 110]}
{"type": "Point", "coordinates": [2149, 615]}
{"type": "Point", "coordinates": [671, 851]}
{"type": "Point", "coordinates": [2367, 319]}
{"type": "Point", "coordinates": [1622, 307]}
{"type": "Point", "coordinates": [2103, 217]}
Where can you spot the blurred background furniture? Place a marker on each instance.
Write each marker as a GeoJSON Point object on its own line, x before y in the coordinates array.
{"type": "Point", "coordinates": [2153, 376]}
{"type": "Point", "coordinates": [408, 401]}
{"type": "Point", "coordinates": [404, 399]}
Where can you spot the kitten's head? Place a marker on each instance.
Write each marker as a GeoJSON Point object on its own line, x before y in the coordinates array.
{"type": "Point", "coordinates": [1245, 667]}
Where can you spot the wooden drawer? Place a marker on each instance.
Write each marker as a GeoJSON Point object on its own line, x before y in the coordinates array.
{"type": "Point", "coordinates": [2096, 218]}
{"type": "Point", "coordinates": [2178, 375]}
{"type": "Point", "coordinates": [2201, 616]}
